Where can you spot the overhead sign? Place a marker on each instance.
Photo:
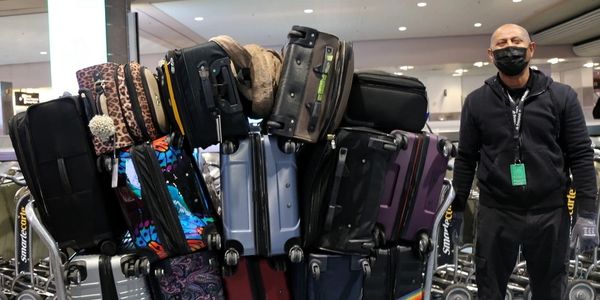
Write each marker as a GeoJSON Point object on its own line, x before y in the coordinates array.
{"type": "Point", "coordinates": [26, 99]}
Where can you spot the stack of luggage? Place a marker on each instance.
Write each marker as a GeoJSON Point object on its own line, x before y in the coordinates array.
{"type": "Point", "coordinates": [332, 195]}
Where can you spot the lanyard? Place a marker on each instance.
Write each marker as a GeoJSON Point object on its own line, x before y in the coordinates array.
{"type": "Point", "coordinates": [517, 114]}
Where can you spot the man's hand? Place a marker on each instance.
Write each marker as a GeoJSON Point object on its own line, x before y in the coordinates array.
{"type": "Point", "coordinates": [457, 227]}
{"type": "Point", "coordinates": [586, 230]}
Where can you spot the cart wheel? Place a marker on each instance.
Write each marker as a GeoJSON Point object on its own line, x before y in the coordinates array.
{"type": "Point", "coordinates": [28, 295]}
{"type": "Point", "coordinates": [509, 295]}
{"type": "Point", "coordinates": [296, 254]}
{"type": "Point", "coordinates": [581, 290]}
{"type": "Point", "coordinates": [457, 292]}
{"type": "Point", "coordinates": [214, 241]}
{"type": "Point", "coordinates": [228, 147]}
{"type": "Point", "coordinates": [366, 268]}
{"type": "Point", "coordinates": [315, 269]}
{"type": "Point", "coordinates": [232, 257]}
{"type": "Point", "coordinates": [527, 293]}
{"type": "Point", "coordinates": [289, 147]}
{"type": "Point", "coordinates": [74, 275]}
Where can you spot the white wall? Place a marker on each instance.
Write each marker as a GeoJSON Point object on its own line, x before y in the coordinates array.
{"type": "Point", "coordinates": [438, 102]}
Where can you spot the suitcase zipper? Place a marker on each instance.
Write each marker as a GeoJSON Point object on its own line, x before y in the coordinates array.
{"type": "Point", "coordinates": [157, 199]}
{"type": "Point", "coordinates": [150, 100]}
{"type": "Point", "coordinates": [406, 189]}
{"type": "Point", "coordinates": [337, 86]}
{"type": "Point", "coordinates": [123, 119]}
{"type": "Point", "coordinates": [135, 103]}
{"type": "Point", "coordinates": [107, 280]}
{"type": "Point", "coordinates": [168, 67]}
{"type": "Point", "coordinates": [255, 278]}
{"type": "Point", "coordinates": [262, 234]}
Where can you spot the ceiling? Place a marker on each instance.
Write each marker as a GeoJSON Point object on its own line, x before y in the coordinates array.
{"type": "Point", "coordinates": [170, 24]}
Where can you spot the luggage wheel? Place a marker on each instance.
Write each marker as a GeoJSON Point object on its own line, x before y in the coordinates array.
{"type": "Point", "coordinates": [289, 147]}
{"type": "Point", "coordinates": [232, 257]}
{"type": "Point", "coordinates": [214, 241]}
{"type": "Point", "coordinates": [74, 275]}
{"type": "Point", "coordinates": [581, 290]}
{"type": "Point", "coordinates": [28, 295]}
{"type": "Point", "coordinates": [457, 292]}
{"type": "Point", "coordinates": [366, 268]}
{"type": "Point", "coordinates": [425, 244]}
{"type": "Point", "coordinates": [228, 147]}
{"type": "Point", "coordinates": [296, 254]}
{"type": "Point", "coordinates": [316, 270]}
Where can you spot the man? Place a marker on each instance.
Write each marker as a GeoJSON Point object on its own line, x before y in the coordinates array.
{"type": "Point", "coordinates": [524, 133]}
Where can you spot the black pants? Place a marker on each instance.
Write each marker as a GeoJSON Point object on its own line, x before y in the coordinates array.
{"type": "Point", "coordinates": [544, 239]}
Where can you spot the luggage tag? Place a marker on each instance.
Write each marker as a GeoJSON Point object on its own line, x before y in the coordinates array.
{"type": "Point", "coordinates": [517, 174]}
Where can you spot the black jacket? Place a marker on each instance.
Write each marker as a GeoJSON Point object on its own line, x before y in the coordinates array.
{"type": "Point", "coordinates": [554, 140]}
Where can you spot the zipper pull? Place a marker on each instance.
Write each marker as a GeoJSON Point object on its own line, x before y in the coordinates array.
{"type": "Point", "coordinates": [172, 63]}
{"type": "Point", "coordinates": [114, 170]}
{"type": "Point", "coordinates": [331, 139]}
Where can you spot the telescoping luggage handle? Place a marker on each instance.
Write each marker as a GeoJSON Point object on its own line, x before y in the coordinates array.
{"type": "Point", "coordinates": [315, 107]}
{"type": "Point", "coordinates": [206, 72]}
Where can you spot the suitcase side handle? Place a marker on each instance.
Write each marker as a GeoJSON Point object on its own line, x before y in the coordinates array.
{"type": "Point", "coordinates": [339, 173]}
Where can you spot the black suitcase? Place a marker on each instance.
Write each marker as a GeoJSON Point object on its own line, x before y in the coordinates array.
{"type": "Point", "coordinates": [314, 85]}
{"type": "Point", "coordinates": [341, 189]}
{"type": "Point", "coordinates": [396, 273]}
{"type": "Point", "coordinates": [386, 102]}
{"type": "Point", "coordinates": [54, 150]}
{"type": "Point", "coordinates": [203, 94]}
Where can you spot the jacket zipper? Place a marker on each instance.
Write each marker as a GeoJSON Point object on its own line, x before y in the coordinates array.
{"type": "Point", "coordinates": [107, 280]}
{"type": "Point", "coordinates": [135, 103]}
{"type": "Point", "coordinates": [157, 199]}
{"type": "Point", "coordinates": [262, 234]}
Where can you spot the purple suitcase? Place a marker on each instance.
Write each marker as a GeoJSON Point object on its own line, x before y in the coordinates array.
{"type": "Point", "coordinates": [413, 183]}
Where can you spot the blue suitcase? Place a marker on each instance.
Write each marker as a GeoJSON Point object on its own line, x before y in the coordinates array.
{"type": "Point", "coordinates": [260, 202]}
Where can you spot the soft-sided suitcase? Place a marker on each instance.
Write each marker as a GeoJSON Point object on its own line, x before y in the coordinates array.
{"type": "Point", "coordinates": [335, 277]}
{"type": "Point", "coordinates": [260, 202]}
{"type": "Point", "coordinates": [342, 185]}
{"type": "Point", "coordinates": [257, 279]}
{"type": "Point", "coordinates": [165, 202]}
{"type": "Point", "coordinates": [386, 102]}
{"type": "Point", "coordinates": [413, 185]}
{"type": "Point", "coordinates": [57, 159]}
{"type": "Point", "coordinates": [396, 272]}
{"type": "Point", "coordinates": [203, 94]}
{"type": "Point", "coordinates": [105, 277]}
{"type": "Point", "coordinates": [314, 85]}
{"type": "Point", "coordinates": [195, 276]}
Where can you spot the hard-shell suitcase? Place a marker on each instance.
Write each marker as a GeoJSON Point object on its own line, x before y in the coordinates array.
{"type": "Point", "coordinates": [386, 102]}
{"type": "Point", "coordinates": [203, 94]}
{"type": "Point", "coordinates": [260, 202]}
{"type": "Point", "coordinates": [335, 277]}
{"type": "Point", "coordinates": [413, 184]}
{"type": "Point", "coordinates": [57, 159]}
{"type": "Point", "coordinates": [342, 185]}
{"type": "Point", "coordinates": [313, 87]}
{"type": "Point", "coordinates": [195, 276]}
{"type": "Point", "coordinates": [165, 202]}
{"type": "Point", "coordinates": [396, 272]}
{"type": "Point", "coordinates": [105, 277]}
{"type": "Point", "coordinates": [257, 278]}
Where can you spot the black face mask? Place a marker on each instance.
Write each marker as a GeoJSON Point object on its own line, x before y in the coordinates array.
{"type": "Point", "coordinates": [511, 60]}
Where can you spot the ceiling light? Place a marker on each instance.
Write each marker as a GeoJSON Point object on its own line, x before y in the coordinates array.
{"type": "Point", "coordinates": [589, 65]}
{"type": "Point", "coordinates": [308, 11]}
{"type": "Point", "coordinates": [43, 52]}
{"type": "Point", "coordinates": [486, 63]}
{"type": "Point", "coordinates": [534, 67]}
{"type": "Point", "coordinates": [405, 68]}
{"type": "Point", "coordinates": [457, 74]}
{"type": "Point", "coordinates": [402, 28]}
{"type": "Point", "coordinates": [553, 60]}
{"type": "Point", "coordinates": [561, 59]}
{"type": "Point", "coordinates": [199, 19]}
{"type": "Point", "coordinates": [477, 24]}
{"type": "Point", "coordinates": [460, 71]}
{"type": "Point", "coordinates": [422, 4]}
{"type": "Point", "coordinates": [398, 73]}
{"type": "Point", "coordinates": [517, 1]}
{"type": "Point", "coordinates": [597, 68]}
{"type": "Point", "coordinates": [478, 64]}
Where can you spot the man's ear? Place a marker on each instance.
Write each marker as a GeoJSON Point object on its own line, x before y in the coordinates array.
{"type": "Point", "coordinates": [532, 47]}
{"type": "Point", "coordinates": [490, 55]}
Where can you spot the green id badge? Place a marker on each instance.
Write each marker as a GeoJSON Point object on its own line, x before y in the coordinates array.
{"type": "Point", "coordinates": [517, 174]}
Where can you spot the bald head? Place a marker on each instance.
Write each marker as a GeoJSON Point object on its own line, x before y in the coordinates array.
{"type": "Point", "coordinates": [510, 32]}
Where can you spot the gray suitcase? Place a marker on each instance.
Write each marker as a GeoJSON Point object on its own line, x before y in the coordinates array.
{"type": "Point", "coordinates": [106, 277]}
{"type": "Point", "coordinates": [260, 199]}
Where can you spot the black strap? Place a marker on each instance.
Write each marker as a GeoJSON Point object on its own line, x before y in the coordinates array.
{"type": "Point", "coordinates": [517, 114]}
{"type": "Point", "coordinates": [335, 190]}
{"type": "Point", "coordinates": [204, 73]}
